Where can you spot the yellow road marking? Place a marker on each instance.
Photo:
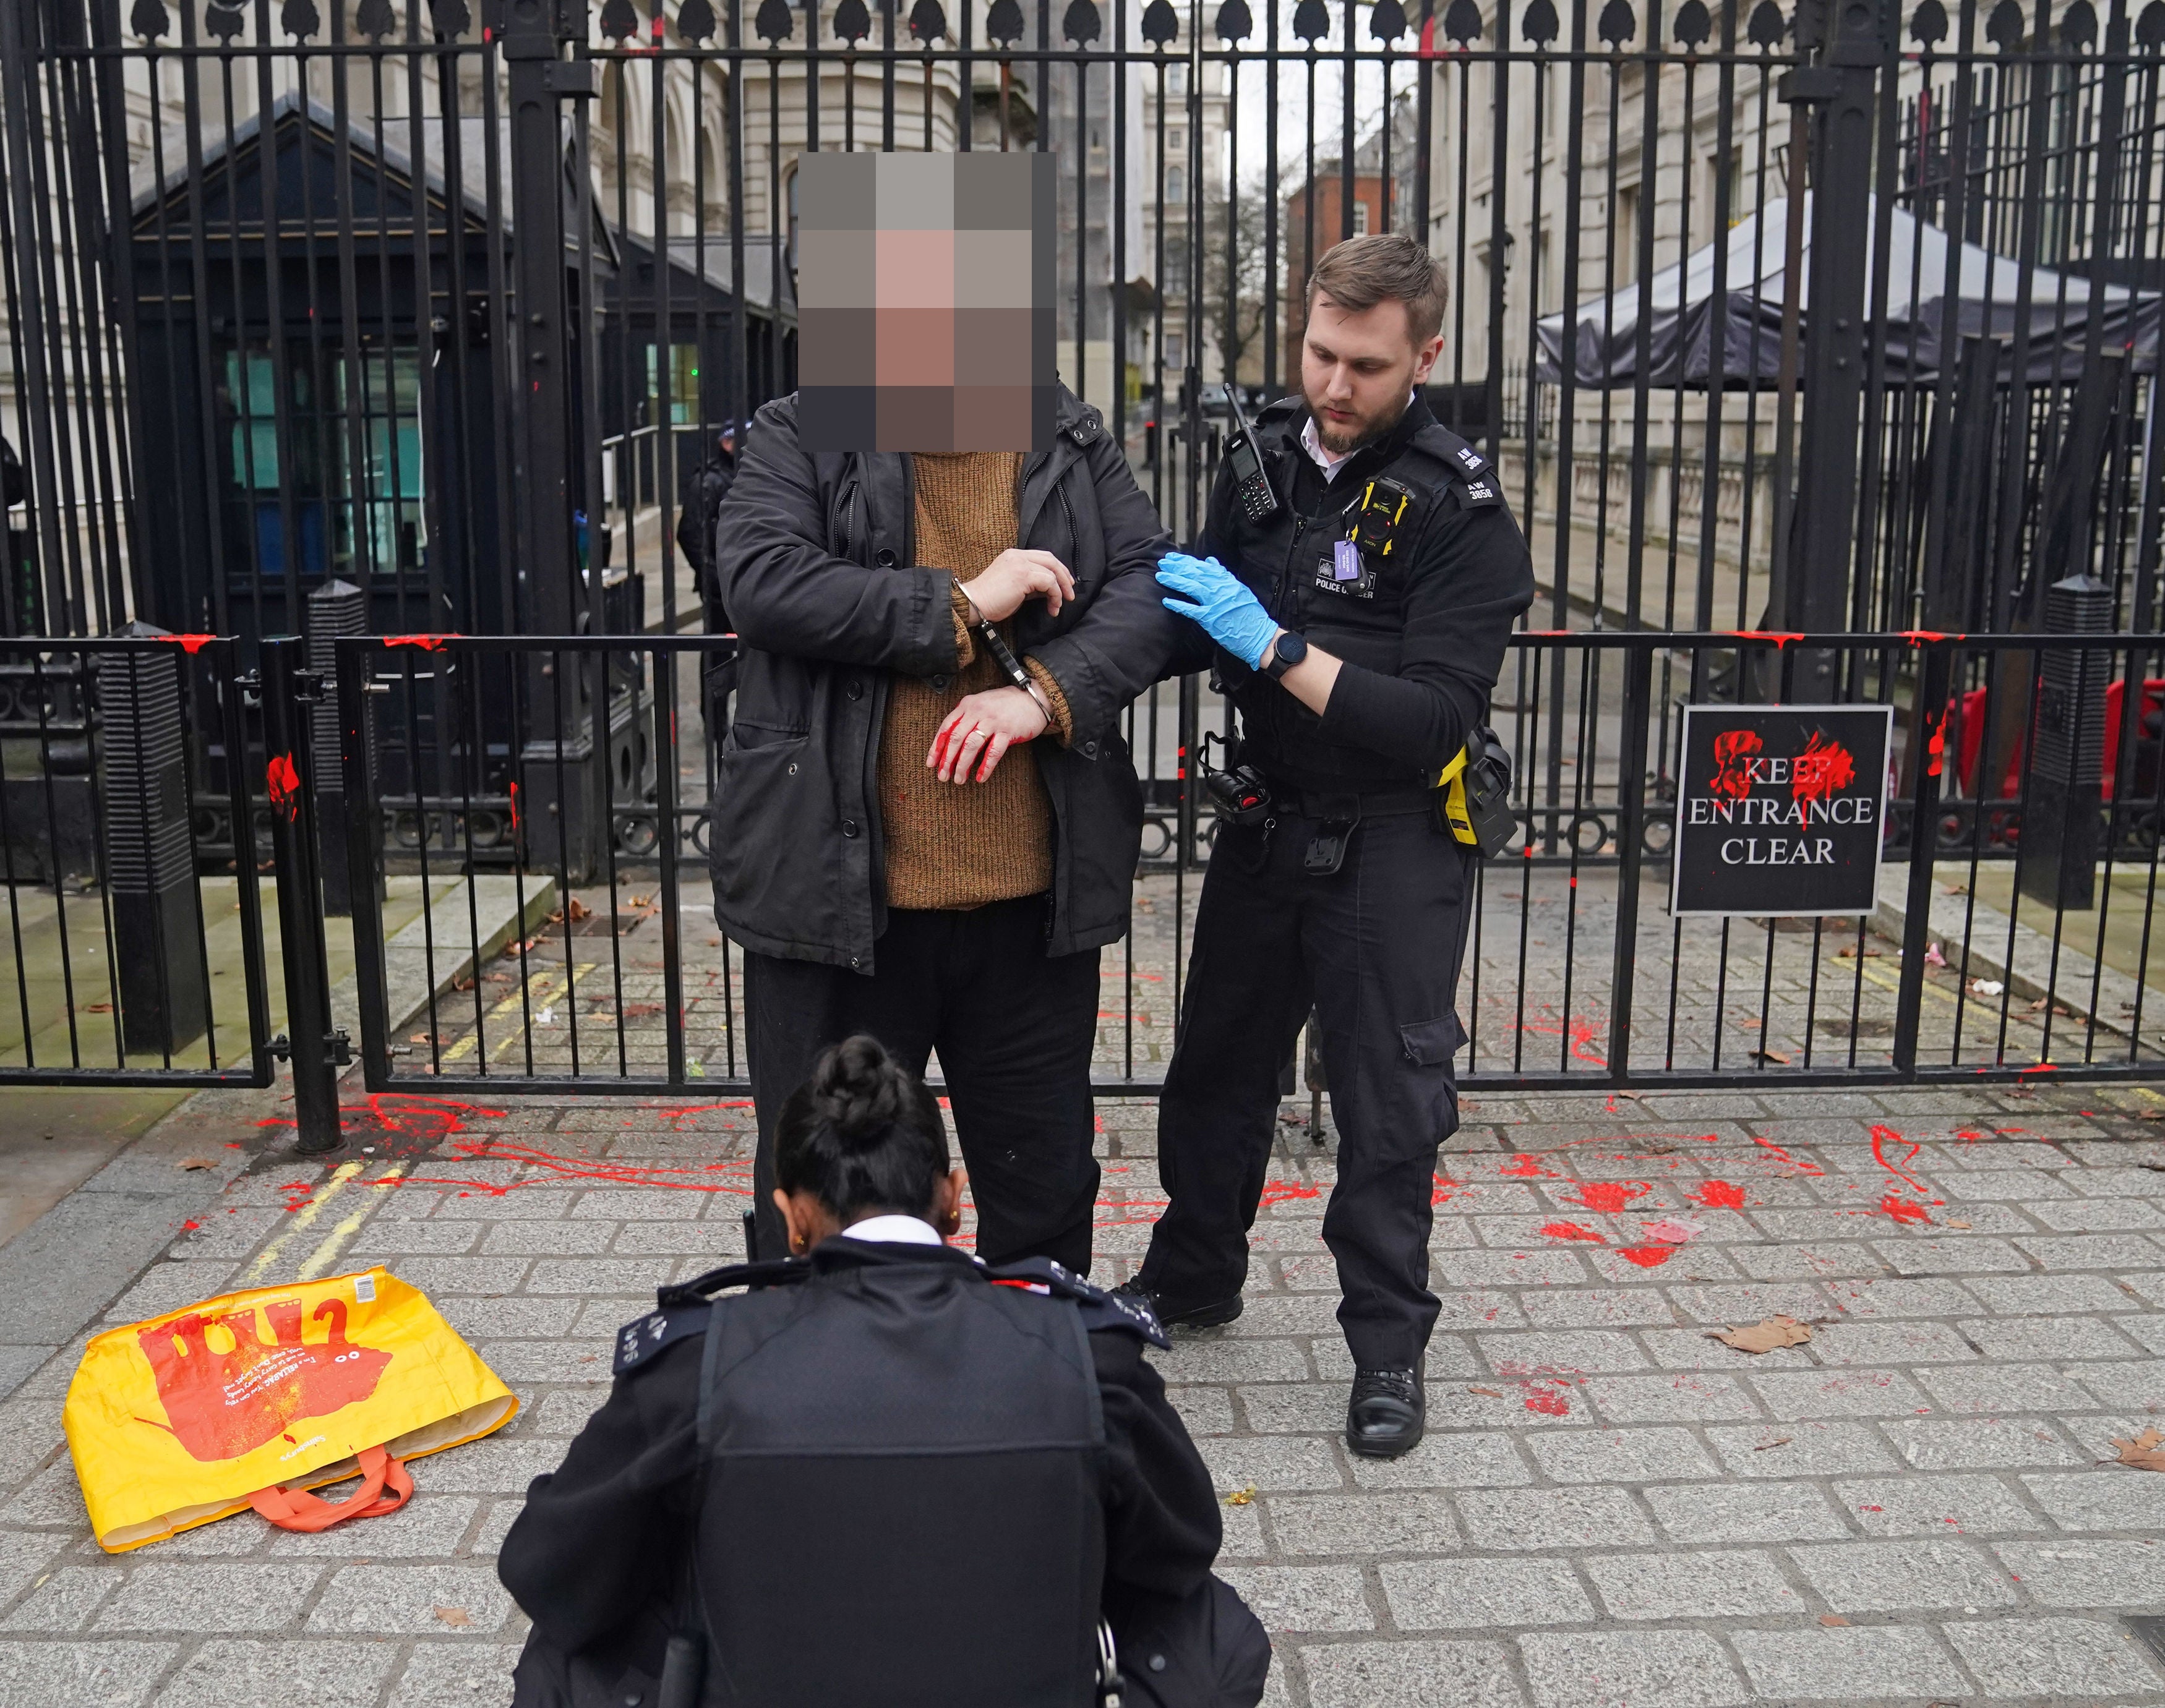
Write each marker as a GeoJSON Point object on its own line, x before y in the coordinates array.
{"type": "Point", "coordinates": [321, 1260]}
{"type": "Point", "coordinates": [542, 987]}
{"type": "Point", "coordinates": [303, 1218]}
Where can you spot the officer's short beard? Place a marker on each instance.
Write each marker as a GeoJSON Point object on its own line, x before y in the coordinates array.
{"type": "Point", "coordinates": [1341, 444]}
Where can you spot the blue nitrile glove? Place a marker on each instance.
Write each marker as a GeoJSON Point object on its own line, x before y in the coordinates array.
{"type": "Point", "coordinates": [1213, 596]}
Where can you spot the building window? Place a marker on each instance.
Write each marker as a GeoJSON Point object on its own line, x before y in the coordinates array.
{"type": "Point", "coordinates": [1174, 348]}
{"type": "Point", "coordinates": [683, 384]}
{"type": "Point", "coordinates": [1624, 233]}
{"type": "Point", "coordinates": [1360, 216]}
{"type": "Point", "coordinates": [1176, 79]}
{"type": "Point", "coordinates": [1176, 186]}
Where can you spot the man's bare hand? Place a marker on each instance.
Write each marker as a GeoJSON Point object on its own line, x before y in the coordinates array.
{"type": "Point", "coordinates": [981, 727]}
{"type": "Point", "coordinates": [1016, 574]}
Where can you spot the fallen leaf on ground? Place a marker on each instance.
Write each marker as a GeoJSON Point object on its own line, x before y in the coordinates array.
{"type": "Point", "coordinates": [637, 1010]}
{"type": "Point", "coordinates": [1241, 1497]}
{"type": "Point", "coordinates": [1764, 1336]}
{"type": "Point", "coordinates": [1955, 890]}
{"type": "Point", "coordinates": [1778, 1441]}
{"type": "Point", "coordinates": [1832, 1619]}
{"type": "Point", "coordinates": [1850, 954]}
{"type": "Point", "coordinates": [2146, 1452]}
{"type": "Point", "coordinates": [1964, 1226]}
{"type": "Point", "coordinates": [1490, 1392]}
{"type": "Point", "coordinates": [193, 1163]}
{"type": "Point", "coordinates": [419, 1037]}
{"type": "Point", "coordinates": [97, 1007]}
{"type": "Point", "coordinates": [457, 1617]}
{"type": "Point", "coordinates": [1777, 1057]}
{"type": "Point", "coordinates": [1748, 1025]}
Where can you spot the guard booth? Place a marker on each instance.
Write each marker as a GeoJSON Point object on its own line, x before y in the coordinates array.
{"type": "Point", "coordinates": [326, 388]}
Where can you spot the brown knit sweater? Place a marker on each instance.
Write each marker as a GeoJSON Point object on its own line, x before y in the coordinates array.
{"type": "Point", "coordinates": [950, 845]}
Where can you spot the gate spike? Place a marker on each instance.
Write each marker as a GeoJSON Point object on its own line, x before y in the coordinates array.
{"type": "Point", "coordinates": [299, 19]}
{"type": "Point", "coordinates": [150, 20]}
{"type": "Point", "coordinates": [1160, 23]}
{"type": "Point", "coordinates": [1311, 22]}
{"type": "Point", "coordinates": [1004, 23]}
{"type": "Point", "coordinates": [1618, 22]}
{"type": "Point", "coordinates": [451, 16]}
{"type": "Point", "coordinates": [775, 22]}
{"type": "Point", "coordinates": [375, 19]}
{"type": "Point", "coordinates": [1388, 21]}
{"type": "Point", "coordinates": [1235, 23]}
{"type": "Point", "coordinates": [928, 22]}
{"type": "Point", "coordinates": [1692, 25]}
{"type": "Point", "coordinates": [1928, 24]}
{"type": "Point", "coordinates": [1080, 23]}
{"type": "Point", "coordinates": [852, 23]}
{"type": "Point", "coordinates": [1541, 25]}
{"type": "Point", "coordinates": [619, 21]}
{"type": "Point", "coordinates": [695, 20]}
{"type": "Point", "coordinates": [2004, 28]}
{"type": "Point", "coordinates": [1767, 26]}
{"type": "Point", "coordinates": [2079, 26]}
{"type": "Point", "coordinates": [2150, 27]}
{"type": "Point", "coordinates": [225, 23]}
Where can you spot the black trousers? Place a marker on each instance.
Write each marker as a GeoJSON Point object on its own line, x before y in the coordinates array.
{"type": "Point", "coordinates": [1014, 1027]}
{"type": "Point", "coordinates": [1375, 949]}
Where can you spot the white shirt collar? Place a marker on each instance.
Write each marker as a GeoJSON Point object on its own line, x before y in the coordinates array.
{"type": "Point", "coordinates": [894, 1230]}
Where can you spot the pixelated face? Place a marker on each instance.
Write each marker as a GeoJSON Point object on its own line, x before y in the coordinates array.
{"type": "Point", "coordinates": [924, 301]}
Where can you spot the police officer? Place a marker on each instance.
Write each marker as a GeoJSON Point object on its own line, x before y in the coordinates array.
{"type": "Point", "coordinates": [1371, 575]}
{"type": "Point", "coordinates": [885, 1474]}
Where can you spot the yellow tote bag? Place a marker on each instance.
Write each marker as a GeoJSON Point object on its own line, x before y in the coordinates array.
{"type": "Point", "coordinates": [250, 1398]}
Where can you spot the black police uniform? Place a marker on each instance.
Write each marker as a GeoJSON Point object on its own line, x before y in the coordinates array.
{"type": "Point", "coordinates": [885, 1474]}
{"type": "Point", "coordinates": [1349, 899]}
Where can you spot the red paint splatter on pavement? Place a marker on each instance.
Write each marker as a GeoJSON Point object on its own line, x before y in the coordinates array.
{"type": "Point", "coordinates": [1885, 1139]}
{"type": "Point", "coordinates": [1902, 1210]}
{"type": "Point", "coordinates": [1572, 1230]}
{"type": "Point", "coordinates": [1607, 1197]}
{"type": "Point", "coordinates": [1550, 1402]}
{"type": "Point", "coordinates": [1795, 1166]}
{"type": "Point", "coordinates": [1719, 1194]}
{"type": "Point", "coordinates": [1286, 1191]}
{"type": "Point", "coordinates": [1524, 1167]}
{"type": "Point", "coordinates": [1647, 1257]}
{"type": "Point", "coordinates": [1444, 1186]}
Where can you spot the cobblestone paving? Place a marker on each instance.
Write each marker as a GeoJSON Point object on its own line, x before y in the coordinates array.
{"type": "Point", "coordinates": [1612, 1506]}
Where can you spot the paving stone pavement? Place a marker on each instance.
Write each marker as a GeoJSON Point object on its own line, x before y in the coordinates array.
{"type": "Point", "coordinates": [1612, 1508]}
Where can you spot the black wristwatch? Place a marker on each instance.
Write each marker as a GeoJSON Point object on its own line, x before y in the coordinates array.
{"type": "Point", "coordinates": [1287, 651]}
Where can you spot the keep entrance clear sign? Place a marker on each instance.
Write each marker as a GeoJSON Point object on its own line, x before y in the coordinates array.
{"type": "Point", "coordinates": [1781, 810]}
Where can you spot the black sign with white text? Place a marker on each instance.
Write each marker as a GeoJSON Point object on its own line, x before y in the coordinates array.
{"type": "Point", "coordinates": [1781, 810]}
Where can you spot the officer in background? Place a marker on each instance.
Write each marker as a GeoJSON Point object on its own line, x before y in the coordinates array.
{"type": "Point", "coordinates": [886, 1475]}
{"type": "Point", "coordinates": [1371, 575]}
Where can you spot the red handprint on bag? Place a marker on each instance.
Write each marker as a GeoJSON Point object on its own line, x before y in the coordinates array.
{"type": "Point", "coordinates": [223, 1403]}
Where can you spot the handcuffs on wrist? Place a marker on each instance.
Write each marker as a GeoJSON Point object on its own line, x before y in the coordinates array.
{"type": "Point", "coordinates": [1002, 655]}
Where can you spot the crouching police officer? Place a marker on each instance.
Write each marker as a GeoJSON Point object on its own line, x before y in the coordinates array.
{"type": "Point", "coordinates": [885, 1474]}
{"type": "Point", "coordinates": [1371, 576]}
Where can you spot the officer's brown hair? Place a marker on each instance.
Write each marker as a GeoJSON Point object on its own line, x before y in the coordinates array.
{"type": "Point", "coordinates": [1384, 267]}
{"type": "Point", "coordinates": [862, 1134]}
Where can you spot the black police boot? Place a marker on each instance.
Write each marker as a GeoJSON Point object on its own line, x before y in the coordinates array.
{"type": "Point", "coordinates": [1387, 1414]}
{"type": "Point", "coordinates": [1178, 1313]}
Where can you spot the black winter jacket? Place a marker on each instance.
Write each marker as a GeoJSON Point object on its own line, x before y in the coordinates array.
{"type": "Point", "coordinates": [816, 561]}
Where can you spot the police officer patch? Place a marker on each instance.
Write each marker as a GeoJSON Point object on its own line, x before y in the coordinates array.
{"type": "Point", "coordinates": [1470, 460]}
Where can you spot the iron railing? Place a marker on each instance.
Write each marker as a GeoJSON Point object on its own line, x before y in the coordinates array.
{"type": "Point", "coordinates": [1577, 975]}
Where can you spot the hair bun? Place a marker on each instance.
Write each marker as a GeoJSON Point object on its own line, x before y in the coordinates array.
{"type": "Point", "coordinates": [859, 1091]}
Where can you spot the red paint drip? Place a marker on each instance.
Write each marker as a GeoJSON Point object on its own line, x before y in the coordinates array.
{"type": "Point", "coordinates": [284, 783]}
{"type": "Point", "coordinates": [1882, 1138]}
{"type": "Point", "coordinates": [1795, 1167]}
{"type": "Point", "coordinates": [515, 812]}
{"type": "Point", "coordinates": [1610, 1196]}
{"type": "Point", "coordinates": [189, 644]}
{"type": "Point", "coordinates": [1779, 639]}
{"type": "Point", "coordinates": [1901, 1209]}
{"type": "Point", "coordinates": [1572, 1230]}
{"type": "Point", "coordinates": [1719, 1194]}
{"type": "Point", "coordinates": [1647, 1257]}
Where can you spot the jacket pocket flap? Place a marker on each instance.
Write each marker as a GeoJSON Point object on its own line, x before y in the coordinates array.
{"type": "Point", "coordinates": [1432, 1043]}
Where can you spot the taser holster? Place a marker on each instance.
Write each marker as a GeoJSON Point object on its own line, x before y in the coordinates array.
{"type": "Point", "coordinates": [1473, 794]}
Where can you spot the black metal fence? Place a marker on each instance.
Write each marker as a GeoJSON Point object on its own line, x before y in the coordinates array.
{"type": "Point", "coordinates": [1986, 954]}
{"type": "Point", "coordinates": [446, 299]}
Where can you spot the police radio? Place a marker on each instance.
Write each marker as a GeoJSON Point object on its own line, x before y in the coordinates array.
{"type": "Point", "coordinates": [1251, 482]}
